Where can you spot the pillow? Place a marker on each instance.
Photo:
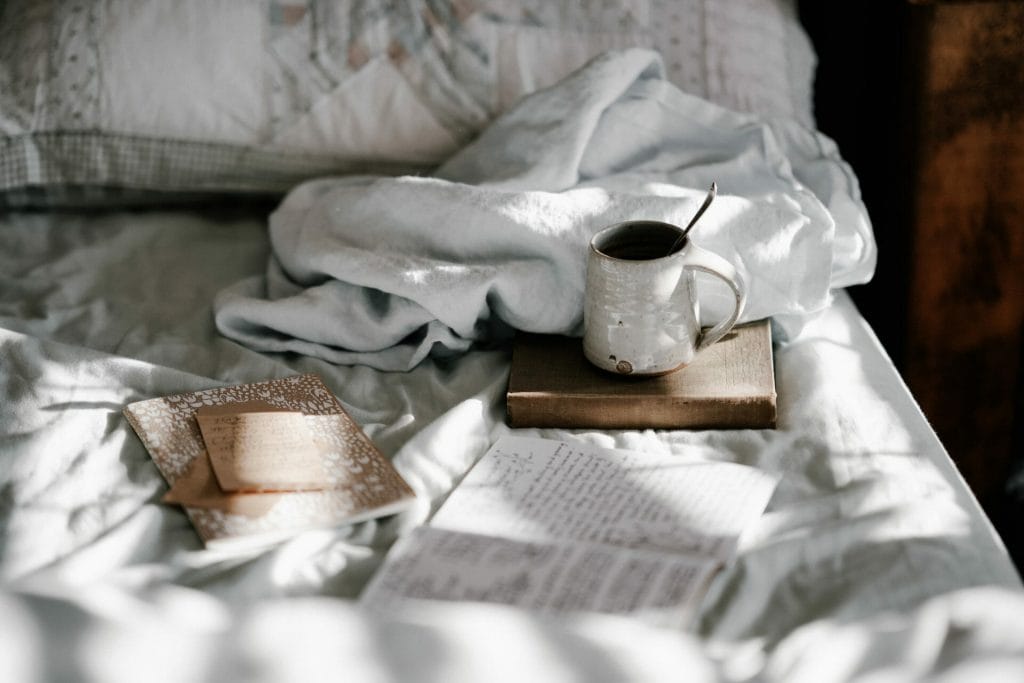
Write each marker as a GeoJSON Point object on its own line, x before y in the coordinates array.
{"type": "Point", "coordinates": [145, 99]}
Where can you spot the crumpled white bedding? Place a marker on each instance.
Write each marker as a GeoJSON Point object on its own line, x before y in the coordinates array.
{"type": "Point", "coordinates": [873, 561]}
{"type": "Point", "coordinates": [383, 271]}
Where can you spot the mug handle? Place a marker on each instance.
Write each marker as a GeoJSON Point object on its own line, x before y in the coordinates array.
{"type": "Point", "coordinates": [696, 258]}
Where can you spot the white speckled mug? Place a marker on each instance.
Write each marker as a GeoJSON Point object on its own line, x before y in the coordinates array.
{"type": "Point", "coordinates": [640, 310]}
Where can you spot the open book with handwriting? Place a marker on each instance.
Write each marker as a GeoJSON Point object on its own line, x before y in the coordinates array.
{"type": "Point", "coordinates": [559, 526]}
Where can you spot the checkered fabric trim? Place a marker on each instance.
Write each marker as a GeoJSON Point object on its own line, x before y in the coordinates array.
{"type": "Point", "coordinates": [53, 169]}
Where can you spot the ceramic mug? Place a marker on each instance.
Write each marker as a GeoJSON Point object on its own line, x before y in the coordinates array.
{"type": "Point", "coordinates": [640, 311]}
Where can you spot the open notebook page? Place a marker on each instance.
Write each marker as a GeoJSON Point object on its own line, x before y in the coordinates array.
{"type": "Point", "coordinates": [539, 489]}
{"type": "Point", "coordinates": [438, 564]}
{"type": "Point", "coordinates": [559, 527]}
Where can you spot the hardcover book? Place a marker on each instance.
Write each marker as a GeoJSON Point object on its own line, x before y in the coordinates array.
{"type": "Point", "coordinates": [730, 385]}
{"type": "Point", "coordinates": [345, 480]}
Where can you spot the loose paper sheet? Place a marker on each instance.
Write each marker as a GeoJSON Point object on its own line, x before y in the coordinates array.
{"type": "Point", "coordinates": [198, 488]}
{"type": "Point", "coordinates": [262, 451]}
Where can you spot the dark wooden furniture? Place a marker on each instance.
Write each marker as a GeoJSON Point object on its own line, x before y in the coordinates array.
{"type": "Point", "coordinates": [926, 100]}
{"type": "Point", "coordinates": [966, 310]}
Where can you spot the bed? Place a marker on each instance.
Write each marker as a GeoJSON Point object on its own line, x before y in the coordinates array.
{"type": "Point", "coordinates": [383, 194]}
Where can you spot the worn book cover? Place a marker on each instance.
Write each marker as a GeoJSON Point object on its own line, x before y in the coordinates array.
{"type": "Point", "coordinates": [356, 481]}
{"type": "Point", "coordinates": [730, 385]}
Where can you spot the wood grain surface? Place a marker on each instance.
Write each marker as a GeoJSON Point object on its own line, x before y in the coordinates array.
{"type": "Point", "coordinates": [966, 295]}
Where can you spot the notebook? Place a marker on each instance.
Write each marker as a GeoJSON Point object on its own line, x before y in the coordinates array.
{"type": "Point", "coordinates": [359, 483]}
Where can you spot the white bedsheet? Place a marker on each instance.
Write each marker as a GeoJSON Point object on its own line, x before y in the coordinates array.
{"type": "Point", "coordinates": [873, 561]}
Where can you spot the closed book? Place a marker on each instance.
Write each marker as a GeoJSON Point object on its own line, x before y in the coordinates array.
{"type": "Point", "coordinates": [729, 385]}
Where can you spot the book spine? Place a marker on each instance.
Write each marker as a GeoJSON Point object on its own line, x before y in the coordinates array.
{"type": "Point", "coordinates": [603, 412]}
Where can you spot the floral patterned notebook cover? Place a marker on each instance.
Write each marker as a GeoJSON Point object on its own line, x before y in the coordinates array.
{"type": "Point", "coordinates": [360, 482]}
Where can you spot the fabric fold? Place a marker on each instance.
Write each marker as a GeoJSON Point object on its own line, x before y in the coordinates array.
{"type": "Point", "coordinates": [385, 271]}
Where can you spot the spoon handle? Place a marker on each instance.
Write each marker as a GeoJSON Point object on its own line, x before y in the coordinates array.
{"type": "Point", "coordinates": [712, 193]}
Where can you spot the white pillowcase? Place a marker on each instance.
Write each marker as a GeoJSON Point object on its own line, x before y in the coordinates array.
{"type": "Point", "coordinates": [103, 96]}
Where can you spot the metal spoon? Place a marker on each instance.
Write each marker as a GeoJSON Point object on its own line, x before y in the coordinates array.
{"type": "Point", "coordinates": [700, 212]}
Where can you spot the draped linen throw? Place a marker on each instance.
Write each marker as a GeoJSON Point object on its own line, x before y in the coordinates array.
{"type": "Point", "coordinates": [384, 271]}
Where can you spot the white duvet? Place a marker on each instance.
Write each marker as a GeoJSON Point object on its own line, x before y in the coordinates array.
{"type": "Point", "coordinates": [872, 563]}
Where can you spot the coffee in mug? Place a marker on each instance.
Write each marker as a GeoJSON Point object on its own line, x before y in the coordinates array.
{"type": "Point", "coordinates": [640, 312]}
